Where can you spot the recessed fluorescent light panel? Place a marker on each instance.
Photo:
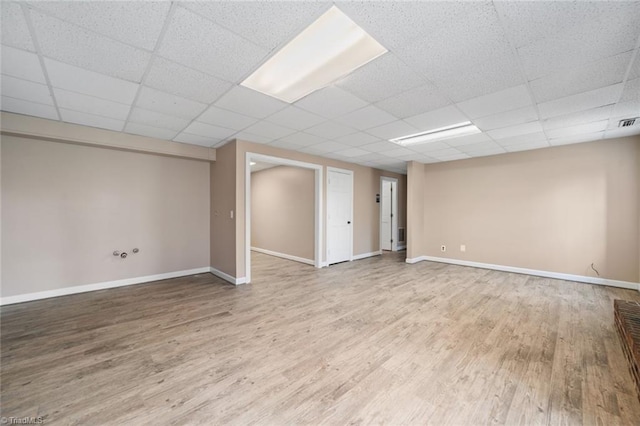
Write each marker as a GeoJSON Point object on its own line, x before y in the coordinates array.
{"type": "Point", "coordinates": [327, 50]}
{"type": "Point", "coordinates": [448, 132]}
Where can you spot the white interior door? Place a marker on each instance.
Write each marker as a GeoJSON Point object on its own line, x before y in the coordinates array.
{"type": "Point", "coordinates": [339, 216]}
{"type": "Point", "coordinates": [388, 214]}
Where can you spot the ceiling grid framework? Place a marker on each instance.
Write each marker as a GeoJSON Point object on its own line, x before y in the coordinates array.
{"type": "Point", "coordinates": [529, 74]}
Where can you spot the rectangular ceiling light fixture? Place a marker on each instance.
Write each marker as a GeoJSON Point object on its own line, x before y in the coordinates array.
{"type": "Point", "coordinates": [448, 132]}
{"type": "Point", "coordinates": [327, 50]}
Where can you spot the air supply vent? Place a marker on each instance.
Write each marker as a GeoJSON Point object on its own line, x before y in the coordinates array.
{"type": "Point", "coordinates": [401, 235]}
{"type": "Point", "coordinates": [627, 122]}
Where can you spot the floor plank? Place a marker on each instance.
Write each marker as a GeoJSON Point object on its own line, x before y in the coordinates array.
{"type": "Point", "coordinates": [371, 341]}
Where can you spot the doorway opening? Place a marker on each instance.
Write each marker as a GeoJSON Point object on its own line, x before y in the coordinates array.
{"type": "Point", "coordinates": [388, 214]}
{"type": "Point", "coordinates": [266, 162]}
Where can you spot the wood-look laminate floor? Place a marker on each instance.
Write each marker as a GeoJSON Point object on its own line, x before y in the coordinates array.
{"type": "Point", "coordinates": [372, 341]}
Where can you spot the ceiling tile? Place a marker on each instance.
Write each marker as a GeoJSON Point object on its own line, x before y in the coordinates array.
{"type": "Point", "coordinates": [580, 102]}
{"type": "Point", "coordinates": [328, 146]}
{"type": "Point", "coordinates": [21, 64]}
{"type": "Point", "coordinates": [398, 152]}
{"type": "Point", "coordinates": [330, 130]}
{"type": "Point", "coordinates": [90, 120]}
{"type": "Point", "coordinates": [15, 31]}
{"type": "Point", "coordinates": [465, 41]}
{"type": "Point", "coordinates": [372, 157]}
{"type": "Point", "coordinates": [586, 77]}
{"type": "Point", "coordinates": [357, 139]}
{"type": "Point", "coordinates": [150, 131]}
{"type": "Point", "coordinates": [330, 102]}
{"type": "Point", "coordinates": [157, 120]}
{"type": "Point", "coordinates": [522, 139]}
{"type": "Point", "coordinates": [366, 118]}
{"type": "Point", "coordinates": [627, 109]}
{"type": "Point", "coordinates": [631, 91]}
{"type": "Point", "coordinates": [209, 131]}
{"type": "Point", "coordinates": [28, 108]}
{"type": "Point", "coordinates": [380, 146]}
{"type": "Point", "coordinates": [485, 148]}
{"type": "Point", "coordinates": [580, 129]}
{"type": "Point", "coordinates": [224, 118]}
{"type": "Point", "coordinates": [90, 83]}
{"type": "Point", "coordinates": [438, 118]}
{"type": "Point", "coordinates": [196, 139]}
{"type": "Point", "coordinates": [604, 30]}
{"type": "Point", "coordinates": [526, 22]}
{"type": "Point", "coordinates": [467, 140]}
{"type": "Point", "coordinates": [509, 118]}
{"type": "Point", "coordinates": [303, 139]}
{"type": "Point", "coordinates": [518, 129]}
{"type": "Point", "coordinates": [447, 154]}
{"type": "Point", "coordinates": [166, 103]}
{"type": "Point", "coordinates": [414, 102]}
{"type": "Point", "coordinates": [527, 146]}
{"type": "Point", "coordinates": [567, 140]}
{"type": "Point", "coordinates": [73, 45]}
{"type": "Point", "coordinates": [394, 129]}
{"type": "Point", "coordinates": [26, 90]}
{"type": "Point", "coordinates": [295, 118]}
{"type": "Point", "coordinates": [494, 103]}
{"type": "Point", "coordinates": [186, 82]}
{"type": "Point", "coordinates": [249, 102]}
{"type": "Point", "coordinates": [581, 117]}
{"type": "Point", "coordinates": [268, 24]}
{"type": "Point", "coordinates": [496, 74]}
{"type": "Point", "coordinates": [352, 152]}
{"type": "Point", "coordinates": [381, 78]}
{"type": "Point", "coordinates": [199, 43]}
{"type": "Point", "coordinates": [136, 23]}
{"type": "Point", "coordinates": [90, 104]}
{"type": "Point", "coordinates": [269, 130]}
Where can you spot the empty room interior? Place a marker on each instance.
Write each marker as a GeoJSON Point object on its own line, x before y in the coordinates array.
{"type": "Point", "coordinates": [275, 213]}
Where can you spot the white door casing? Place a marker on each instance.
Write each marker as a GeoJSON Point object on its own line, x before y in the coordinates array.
{"type": "Point", "coordinates": [388, 214]}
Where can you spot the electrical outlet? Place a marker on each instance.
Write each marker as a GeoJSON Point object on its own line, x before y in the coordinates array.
{"type": "Point", "coordinates": [463, 247]}
{"type": "Point", "coordinates": [443, 248]}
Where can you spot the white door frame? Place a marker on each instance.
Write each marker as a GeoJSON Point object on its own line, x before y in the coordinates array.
{"type": "Point", "coordinates": [319, 217]}
{"type": "Point", "coordinates": [394, 220]}
{"type": "Point", "coordinates": [350, 172]}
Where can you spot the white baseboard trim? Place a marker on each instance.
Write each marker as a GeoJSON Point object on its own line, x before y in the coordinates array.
{"type": "Point", "coordinates": [284, 256]}
{"type": "Point", "coordinates": [9, 300]}
{"type": "Point", "coordinates": [365, 255]}
{"type": "Point", "coordinates": [227, 277]}
{"type": "Point", "coordinates": [546, 274]}
{"type": "Point", "coordinates": [401, 247]}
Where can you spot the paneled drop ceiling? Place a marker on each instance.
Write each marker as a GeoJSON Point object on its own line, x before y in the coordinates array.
{"type": "Point", "coordinates": [528, 74]}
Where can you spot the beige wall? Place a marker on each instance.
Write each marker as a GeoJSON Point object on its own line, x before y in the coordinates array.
{"type": "Point", "coordinates": [366, 235]}
{"type": "Point", "coordinates": [223, 202]}
{"type": "Point", "coordinates": [557, 209]}
{"type": "Point", "coordinates": [283, 211]}
{"type": "Point", "coordinates": [415, 209]}
{"type": "Point", "coordinates": [66, 208]}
